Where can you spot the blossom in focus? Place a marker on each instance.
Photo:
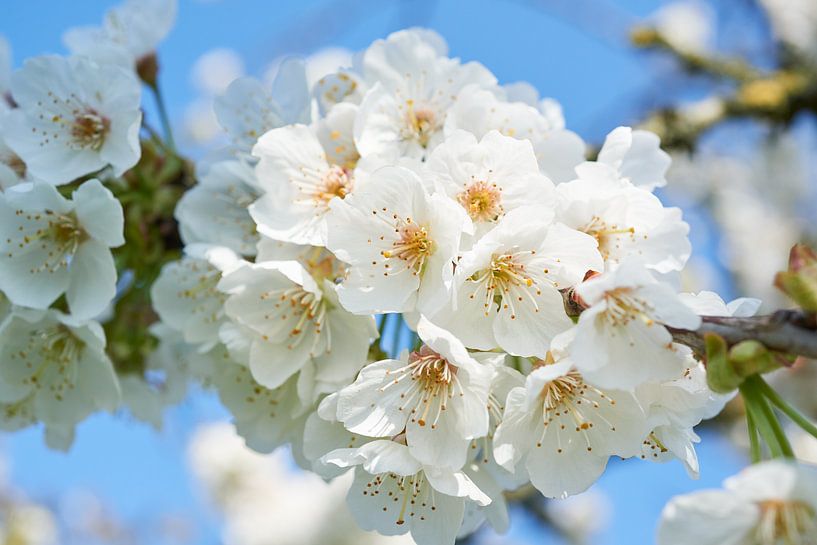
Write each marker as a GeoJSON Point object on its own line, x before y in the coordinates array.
{"type": "Point", "coordinates": [437, 396]}
{"type": "Point", "coordinates": [489, 177]}
{"type": "Point", "coordinates": [400, 243]}
{"type": "Point", "coordinates": [625, 220]}
{"type": "Point", "coordinates": [393, 493]}
{"type": "Point", "coordinates": [507, 286]}
{"type": "Point", "coordinates": [300, 182]}
{"type": "Point", "coordinates": [623, 338]}
{"type": "Point", "coordinates": [561, 430]}
{"type": "Point", "coordinates": [558, 151]}
{"type": "Point", "coordinates": [51, 246]}
{"type": "Point", "coordinates": [636, 157]}
{"type": "Point", "coordinates": [294, 324]}
{"type": "Point", "coordinates": [414, 85]}
{"type": "Point", "coordinates": [674, 408]}
{"type": "Point", "coordinates": [74, 117]}
{"type": "Point", "coordinates": [766, 504]}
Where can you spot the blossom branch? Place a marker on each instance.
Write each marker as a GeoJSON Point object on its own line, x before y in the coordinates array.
{"type": "Point", "coordinates": [775, 97]}
{"type": "Point", "coordinates": [787, 331]}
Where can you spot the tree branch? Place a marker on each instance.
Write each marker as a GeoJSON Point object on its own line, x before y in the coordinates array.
{"type": "Point", "coordinates": [790, 332]}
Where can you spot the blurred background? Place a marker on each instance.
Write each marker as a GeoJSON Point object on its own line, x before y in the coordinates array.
{"type": "Point", "coordinates": [730, 85]}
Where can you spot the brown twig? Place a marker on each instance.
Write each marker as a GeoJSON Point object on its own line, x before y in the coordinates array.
{"type": "Point", "coordinates": [787, 331]}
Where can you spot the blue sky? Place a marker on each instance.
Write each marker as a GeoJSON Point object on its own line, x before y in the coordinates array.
{"type": "Point", "coordinates": [574, 51]}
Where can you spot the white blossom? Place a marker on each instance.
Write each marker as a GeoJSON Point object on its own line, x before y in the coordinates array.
{"type": "Point", "coordinates": [675, 407]}
{"type": "Point", "coordinates": [55, 371]}
{"type": "Point", "coordinates": [708, 303]}
{"type": "Point", "coordinates": [621, 339]}
{"type": "Point", "coordinates": [560, 430]}
{"type": "Point", "coordinates": [393, 493]}
{"type": "Point", "coordinates": [507, 286]}
{"type": "Point", "coordinates": [558, 151]}
{"type": "Point", "coordinates": [265, 417]}
{"type": "Point", "coordinates": [399, 241]}
{"type": "Point", "coordinates": [489, 177]}
{"type": "Point", "coordinates": [129, 32]}
{"type": "Point", "coordinates": [687, 25]}
{"type": "Point", "coordinates": [168, 372]}
{"type": "Point", "coordinates": [437, 396]}
{"type": "Point", "coordinates": [335, 132]}
{"type": "Point", "coordinates": [186, 294]}
{"type": "Point", "coordinates": [300, 182]}
{"type": "Point", "coordinates": [247, 109]}
{"type": "Point", "coordinates": [769, 503]}
{"type": "Point", "coordinates": [345, 86]}
{"type": "Point", "coordinates": [794, 22]}
{"type": "Point", "coordinates": [295, 325]}
{"type": "Point", "coordinates": [636, 157]}
{"type": "Point", "coordinates": [626, 221]}
{"type": "Point", "coordinates": [404, 111]}
{"type": "Point", "coordinates": [74, 117]}
{"type": "Point", "coordinates": [12, 169]}
{"type": "Point", "coordinates": [50, 246]}
{"type": "Point", "coordinates": [215, 210]}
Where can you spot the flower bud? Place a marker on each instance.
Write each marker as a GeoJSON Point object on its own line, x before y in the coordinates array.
{"type": "Point", "coordinates": [799, 282]}
{"type": "Point", "coordinates": [644, 36]}
{"type": "Point", "coordinates": [147, 68]}
{"type": "Point", "coordinates": [727, 368]}
{"type": "Point", "coordinates": [750, 358]}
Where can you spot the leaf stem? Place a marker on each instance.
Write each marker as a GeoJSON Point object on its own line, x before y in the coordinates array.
{"type": "Point", "coordinates": [754, 440]}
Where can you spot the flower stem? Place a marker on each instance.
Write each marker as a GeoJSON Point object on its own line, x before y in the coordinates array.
{"type": "Point", "coordinates": [382, 325]}
{"type": "Point", "coordinates": [165, 118]}
{"type": "Point", "coordinates": [765, 421]}
{"type": "Point", "coordinates": [754, 440]}
{"type": "Point", "coordinates": [777, 429]}
{"type": "Point", "coordinates": [786, 408]}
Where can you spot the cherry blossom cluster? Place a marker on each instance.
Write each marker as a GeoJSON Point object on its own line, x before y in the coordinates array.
{"type": "Point", "coordinates": [409, 189]}
{"type": "Point", "coordinates": [413, 184]}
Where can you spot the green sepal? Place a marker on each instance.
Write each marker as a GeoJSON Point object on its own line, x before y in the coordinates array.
{"type": "Point", "coordinates": [720, 375]}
